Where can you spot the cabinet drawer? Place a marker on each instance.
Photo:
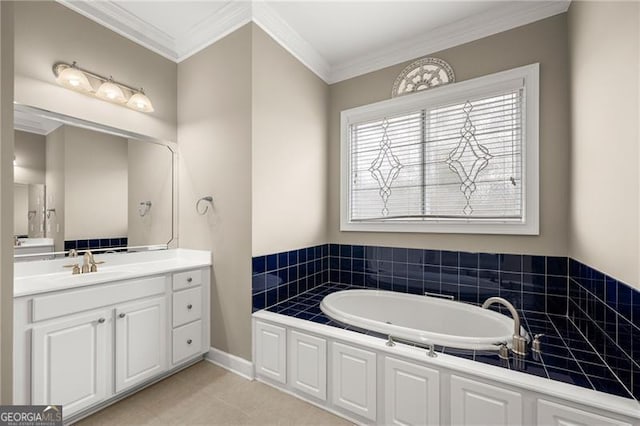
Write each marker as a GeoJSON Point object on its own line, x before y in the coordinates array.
{"type": "Point", "coordinates": [187, 306]}
{"type": "Point", "coordinates": [187, 279]}
{"type": "Point", "coordinates": [187, 341]}
{"type": "Point", "coordinates": [68, 302]}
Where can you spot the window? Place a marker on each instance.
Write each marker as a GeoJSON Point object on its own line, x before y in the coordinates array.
{"type": "Point", "coordinates": [460, 158]}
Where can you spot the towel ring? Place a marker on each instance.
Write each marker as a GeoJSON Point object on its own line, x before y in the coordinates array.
{"type": "Point", "coordinates": [208, 199]}
{"type": "Point", "coordinates": [144, 208]}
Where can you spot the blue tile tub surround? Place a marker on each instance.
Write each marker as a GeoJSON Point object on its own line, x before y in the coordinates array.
{"type": "Point", "coordinates": [280, 276]}
{"type": "Point", "coordinates": [95, 243]}
{"type": "Point", "coordinates": [532, 283]}
{"type": "Point", "coordinates": [566, 357]}
{"type": "Point", "coordinates": [607, 313]}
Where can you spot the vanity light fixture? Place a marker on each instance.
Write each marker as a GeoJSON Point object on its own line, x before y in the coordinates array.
{"type": "Point", "coordinates": [87, 82]}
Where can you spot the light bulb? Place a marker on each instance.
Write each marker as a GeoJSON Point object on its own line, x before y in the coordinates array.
{"type": "Point", "coordinates": [140, 102]}
{"type": "Point", "coordinates": [111, 92]}
{"type": "Point", "coordinates": [75, 79]}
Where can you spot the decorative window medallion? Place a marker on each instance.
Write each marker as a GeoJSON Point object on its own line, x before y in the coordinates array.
{"type": "Point", "coordinates": [423, 74]}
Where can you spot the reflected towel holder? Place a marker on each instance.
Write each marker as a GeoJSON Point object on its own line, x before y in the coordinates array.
{"type": "Point", "coordinates": [208, 199]}
{"type": "Point", "coordinates": [144, 208]}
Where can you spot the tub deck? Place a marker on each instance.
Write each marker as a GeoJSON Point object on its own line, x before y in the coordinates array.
{"type": "Point", "coordinates": [567, 356]}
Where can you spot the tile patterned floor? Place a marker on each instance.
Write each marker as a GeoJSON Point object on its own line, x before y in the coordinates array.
{"type": "Point", "coordinates": [205, 394]}
{"type": "Point", "coordinates": [567, 356]}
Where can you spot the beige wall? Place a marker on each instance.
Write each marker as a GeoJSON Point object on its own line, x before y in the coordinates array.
{"type": "Point", "coordinates": [54, 180]}
{"type": "Point", "coordinates": [6, 202]}
{"type": "Point", "coordinates": [214, 134]}
{"type": "Point", "coordinates": [150, 178]}
{"type": "Point", "coordinates": [95, 179]}
{"type": "Point", "coordinates": [289, 138]}
{"type": "Point", "coordinates": [544, 42]}
{"type": "Point", "coordinates": [47, 32]}
{"type": "Point", "coordinates": [604, 157]}
{"type": "Point", "coordinates": [20, 208]}
{"type": "Point", "coordinates": [30, 157]}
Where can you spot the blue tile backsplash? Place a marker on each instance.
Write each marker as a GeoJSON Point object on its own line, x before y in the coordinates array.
{"type": "Point", "coordinates": [95, 243]}
{"type": "Point", "coordinates": [602, 315]}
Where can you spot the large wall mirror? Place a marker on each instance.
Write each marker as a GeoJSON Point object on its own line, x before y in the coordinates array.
{"type": "Point", "coordinates": [84, 186]}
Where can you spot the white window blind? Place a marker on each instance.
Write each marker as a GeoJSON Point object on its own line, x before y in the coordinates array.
{"type": "Point", "coordinates": [456, 159]}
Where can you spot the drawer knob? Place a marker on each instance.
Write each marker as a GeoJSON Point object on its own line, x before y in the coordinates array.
{"type": "Point", "coordinates": [101, 320]}
{"type": "Point", "coordinates": [189, 279]}
{"type": "Point", "coordinates": [189, 341]}
{"type": "Point", "coordinates": [189, 306]}
{"type": "Point", "coordinates": [122, 315]}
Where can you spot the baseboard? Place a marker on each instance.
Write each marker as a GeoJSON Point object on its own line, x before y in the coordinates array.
{"type": "Point", "coordinates": [235, 364]}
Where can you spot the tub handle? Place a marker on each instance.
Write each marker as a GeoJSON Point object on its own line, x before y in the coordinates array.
{"type": "Point", "coordinates": [431, 352]}
{"type": "Point", "coordinates": [441, 296]}
{"type": "Point", "coordinates": [390, 342]}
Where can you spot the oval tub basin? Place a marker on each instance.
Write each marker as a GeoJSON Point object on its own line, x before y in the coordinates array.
{"type": "Point", "coordinates": [420, 319]}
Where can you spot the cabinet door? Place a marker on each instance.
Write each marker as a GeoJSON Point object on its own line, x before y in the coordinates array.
{"type": "Point", "coordinates": [412, 394]}
{"type": "Point", "coordinates": [552, 414]}
{"type": "Point", "coordinates": [71, 360]}
{"type": "Point", "coordinates": [309, 364]}
{"type": "Point", "coordinates": [141, 347]}
{"type": "Point", "coordinates": [354, 380]}
{"type": "Point", "coordinates": [271, 351]}
{"type": "Point", "coordinates": [477, 403]}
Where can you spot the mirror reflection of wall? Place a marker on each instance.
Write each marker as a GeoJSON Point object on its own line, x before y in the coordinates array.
{"type": "Point", "coordinates": [87, 187]}
{"type": "Point", "coordinates": [29, 176]}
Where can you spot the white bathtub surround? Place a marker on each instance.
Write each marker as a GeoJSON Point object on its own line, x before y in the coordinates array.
{"type": "Point", "coordinates": [360, 378]}
{"type": "Point", "coordinates": [421, 319]}
{"type": "Point", "coordinates": [141, 317]}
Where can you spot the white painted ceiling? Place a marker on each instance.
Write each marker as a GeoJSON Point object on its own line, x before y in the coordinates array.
{"type": "Point", "coordinates": [335, 39]}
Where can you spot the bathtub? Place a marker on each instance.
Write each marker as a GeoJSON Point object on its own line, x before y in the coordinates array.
{"type": "Point", "coordinates": [420, 319]}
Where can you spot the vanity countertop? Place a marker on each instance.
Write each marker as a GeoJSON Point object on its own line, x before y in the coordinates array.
{"type": "Point", "coordinates": [46, 276]}
{"type": "Point", "coordinates": [34, 242]}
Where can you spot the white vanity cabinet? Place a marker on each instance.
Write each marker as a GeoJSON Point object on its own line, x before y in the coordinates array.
{"type": "Point", "coordinates": [70, 360]}
{"type": "Point", "coordinates": [141, 330]}
{"type": "Point", "coordinates": [82, 347]}
{"type": "Point", "coordinates": [477, 403]}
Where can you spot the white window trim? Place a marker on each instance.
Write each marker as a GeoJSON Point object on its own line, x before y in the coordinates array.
{"type": "Point", "coordinates": [530, 225]}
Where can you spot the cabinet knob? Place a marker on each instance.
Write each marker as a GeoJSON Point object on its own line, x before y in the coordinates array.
{"type": "Point", "coordinates": [189, 342]}
{"type": "Point", "coordinates": [101, 320]}
{"type": "Point", "coordinates": [122, 315]}
{"type": "Point", "coordinates": [189, 279]}
{"type": "Point", "coordinates": [189, 306]}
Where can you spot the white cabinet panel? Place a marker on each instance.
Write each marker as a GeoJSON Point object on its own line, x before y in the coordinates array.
{"type": "Point", "coordinates": [552, 414]}
{"type": "Point", "coordinates": [187, 306]}
{"type": "Point", "coordinates": [70, 359]}
{"type": "Point", "coordinates": [271, 351]}
{"type": "Point", "coordinates": [140, 341]}
{"type": "Point", "coordinates": [412, 394]}
{"type": "Point", "coordinates": [354, 380]}
{"type": "Point", "coordinates": [187, 279]}
{"type": "Point", "coordinates": [187, 341]}
{"type": "Point", "coordinates": [309, 364]}
{"type": "Point", "coordinates": [477, 403]}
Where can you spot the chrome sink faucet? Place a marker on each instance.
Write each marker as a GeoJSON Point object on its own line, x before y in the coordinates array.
{"type": "Point", "coordinates": [89, 263]}
{"type": "Point", "coordinates": [519, 345]}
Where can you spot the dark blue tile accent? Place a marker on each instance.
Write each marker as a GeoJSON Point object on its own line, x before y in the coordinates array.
{"type": "Point", "coordinates": [432, 257]}
{"type": "Point", "coordinates": [82, 244]}
{"type": "Point", "coordinates": [534, 264]}
{"type": "Point", "coordinates": [449, 258]}
{"type": "Point", "coordinates": [468, 260]}
{"type": "Point", "coordinates": [358, 252]}
{"type": "Point", "coordinates": [489, 261]}
{"type": "Point", "coordinates": [557, 266]}
{"type": "Point", "coordinates": [272, 262]}
{"type": "Point", "coordinates": [105, 243]}
{"type": "Point", "coordinates": [399, 255]}
{"type": "Point", "coordinates": [259, 265]}
{"type": "Point", "coordinates": [511, 262]}
{"type": "Point", "coordinates": [70, 245]}
{"type": "Point", "coordinates": [283, 260]}
{"type": "Point", "coordinates": [345, 251]}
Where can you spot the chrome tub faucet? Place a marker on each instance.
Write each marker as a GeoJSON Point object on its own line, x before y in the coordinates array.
{"type": "Point", "coordinates": [519, 344]}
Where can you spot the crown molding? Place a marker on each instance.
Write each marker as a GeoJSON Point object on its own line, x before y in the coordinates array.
{"type": "Point", "coordinates": [128, 25]}
{"type": "Point", "coordinates": [214, 27]}
{"type": "Point", "coordinates": [493, 21]}
{"type": "Point", "coordinates": [235, 14]}
{"type": "Point", "coordinates": [267, 19]}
